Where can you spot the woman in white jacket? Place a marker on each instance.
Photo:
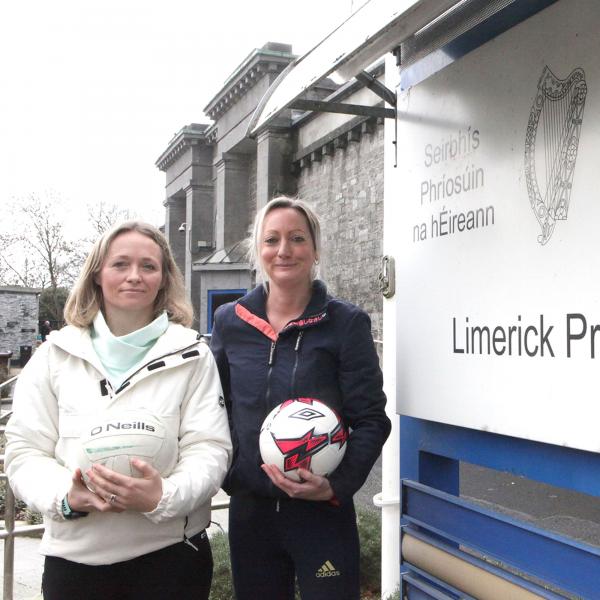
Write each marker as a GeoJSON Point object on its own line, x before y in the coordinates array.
{"type": "Point", "coordinates": [127, 348]}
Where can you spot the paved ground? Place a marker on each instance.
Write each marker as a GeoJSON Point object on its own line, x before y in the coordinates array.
{"type": "Point", "coordinates": [567, 513]}
{"type": "Point", "coordinates": [28, 569]}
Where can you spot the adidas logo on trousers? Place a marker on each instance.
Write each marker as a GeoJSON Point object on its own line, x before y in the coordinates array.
{"type": "Point", "coordinates": [327, 570]}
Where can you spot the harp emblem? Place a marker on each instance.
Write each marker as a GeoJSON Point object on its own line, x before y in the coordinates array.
{"type": "Point", "coordinates": [551, 144]}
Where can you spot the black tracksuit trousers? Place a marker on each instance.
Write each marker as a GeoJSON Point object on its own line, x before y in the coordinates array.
{"type": "Point", "coordinates": [178, 572]}
{"type": "Point", "coordinates": [273, 541]}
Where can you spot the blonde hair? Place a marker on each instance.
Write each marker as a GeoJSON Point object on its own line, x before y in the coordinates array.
{"type": "Point", "coordinates": [85, 299]}
{"type": "Point", "coordinates": [312, 220]}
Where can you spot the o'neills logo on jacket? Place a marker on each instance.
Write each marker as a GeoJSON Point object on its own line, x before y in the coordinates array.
{"type": "Point", "coordinates": [119, 426]}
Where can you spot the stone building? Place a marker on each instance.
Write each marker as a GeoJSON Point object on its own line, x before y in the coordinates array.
{"type": "Point", "coordinates": [217, 176]}
{"type": "Point", "coordinates": [19, 308]}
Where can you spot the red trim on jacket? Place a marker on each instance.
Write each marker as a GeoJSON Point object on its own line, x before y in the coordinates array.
{"type": "Point", "coordinates": [263, 326]}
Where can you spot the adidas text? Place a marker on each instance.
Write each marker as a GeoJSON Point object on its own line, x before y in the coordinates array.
{"type": "Point", "coordinates": [327, 570]}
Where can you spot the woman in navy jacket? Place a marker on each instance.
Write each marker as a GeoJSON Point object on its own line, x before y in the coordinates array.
{"type": "Point", "coordinates": [289, 338]}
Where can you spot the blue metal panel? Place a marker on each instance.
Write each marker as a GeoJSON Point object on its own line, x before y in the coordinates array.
{"type": "Point", "coordinates": [570, 565]}
{"type": "Point", "coordinates": [416, 588]}
{"type": "Point", "coordinates": [440, 472]}
{"type": "Point", "coordinates": [487, 30]}
{"type": "Point", "coordinates": [433, 585]}
{"type": "Point", "coordinates": [555, 465]}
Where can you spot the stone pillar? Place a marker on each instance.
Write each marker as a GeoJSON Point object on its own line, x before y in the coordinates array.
{"type": "Point", "coordinates": [174, 217]}
{"type": "Point", "coordinates": [199, 234]}
{"type": "Point", "coordinates": [232, 209]}
{"type": "Point", "coordinates": [273, 162]}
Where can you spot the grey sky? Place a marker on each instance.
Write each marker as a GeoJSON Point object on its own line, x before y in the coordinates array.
{"type": "Point", "coordinates": [93, 91]}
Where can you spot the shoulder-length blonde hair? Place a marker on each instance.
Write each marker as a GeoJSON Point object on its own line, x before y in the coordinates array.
{"type": "Point", "coordinates": [312, 220]}
{"type": "Point", "coordinates": [85, 299]}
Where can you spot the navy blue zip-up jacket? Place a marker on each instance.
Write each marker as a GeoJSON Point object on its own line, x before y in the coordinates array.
{"type": "Point", "coordinates": [327, 354]}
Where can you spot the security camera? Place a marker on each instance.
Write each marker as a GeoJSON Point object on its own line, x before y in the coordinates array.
{"type": "Point", "coordinates": [182, 227]}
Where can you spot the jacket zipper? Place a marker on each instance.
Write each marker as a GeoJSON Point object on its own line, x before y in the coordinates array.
{"type": "Point", "coordinates": [269, 371]}
{"type": "Point", "coordinates": [268, 390]}
{"type": "Point", "coordinates": [128, 380]}
{"type": "Point", "coordinates": [297, 352]}
{"type": "Point", "coordinates": [109, 388]}
{"type": "Point", "coordinates": [293, 381]}
{"type": "Point", "coordinates": [186, 539]}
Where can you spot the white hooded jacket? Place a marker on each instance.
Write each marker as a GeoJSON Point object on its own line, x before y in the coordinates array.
{"type": "Point", "coordinates": [63, 386]}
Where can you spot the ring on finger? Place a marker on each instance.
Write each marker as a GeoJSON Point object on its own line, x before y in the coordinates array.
{"type": "Point", "coordinates": [112, 498]}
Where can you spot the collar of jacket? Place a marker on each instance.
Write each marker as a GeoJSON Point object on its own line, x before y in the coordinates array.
{"type": "Point", "coordinates": [252, 309]}
{"type": "Point", "coordinates": [177, 342]}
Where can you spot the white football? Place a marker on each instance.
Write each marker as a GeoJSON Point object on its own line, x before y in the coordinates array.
{"type": "Point", "coordinates": [113, 440]}
{"type": "Point", "coordinates": [303, 433]}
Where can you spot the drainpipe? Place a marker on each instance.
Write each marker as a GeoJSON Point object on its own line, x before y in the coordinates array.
{"type": "Point", "coordinates": [388, 498]}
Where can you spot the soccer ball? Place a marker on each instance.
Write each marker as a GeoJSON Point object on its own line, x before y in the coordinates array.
{"type": "Point", "coordinates": [303, 433]}
{"type": "Point", "coordinates": [115, 439]}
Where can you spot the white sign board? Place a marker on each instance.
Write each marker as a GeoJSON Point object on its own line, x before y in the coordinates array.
{"type": "Point", "coordinates": [498, 234]}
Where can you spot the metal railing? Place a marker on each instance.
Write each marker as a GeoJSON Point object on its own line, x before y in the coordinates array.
{"type": "Point", "coordinates": [12, 531]}
{"type": "Point", "coordinates": [9, 534]}
{"type": "Point", "coordinates": [5, 401]}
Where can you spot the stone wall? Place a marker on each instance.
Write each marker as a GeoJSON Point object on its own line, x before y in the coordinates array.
{"type": "Point", "coordinates": [252, 190]}
{"type": "Point", "coordinates": [334, 161]}
{"type": "Point", "coordinates": [346, 189]}
{"type": "Point", "coordinates": [19, 310]}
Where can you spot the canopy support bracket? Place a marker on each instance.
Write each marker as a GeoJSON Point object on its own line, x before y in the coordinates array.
{"type": "Point", "coordinates": [348, 109]}
{"type": "Point", "coordinates": [377, 87]}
